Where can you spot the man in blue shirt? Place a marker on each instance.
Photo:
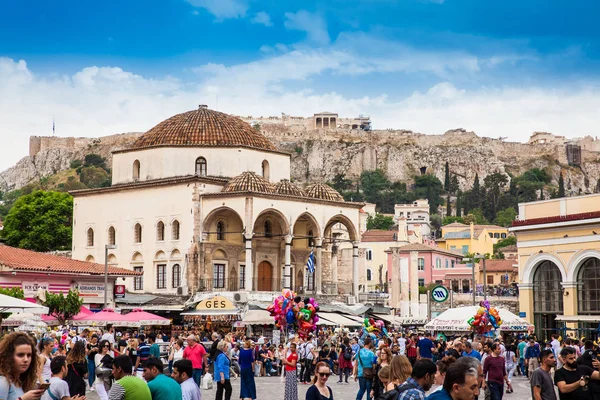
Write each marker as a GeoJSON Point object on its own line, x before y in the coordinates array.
{"type": "Point", "coordinates": [365, 359]}
{"type": "Point", "coordinates": [470, 352]}
{"type": "Point", "coordinates": [161, 386]}
{"type": "Point", "coordinates": [143, 352]}
{"type": "Point", "coordinates": [420, 381]}
{"type": "Point", "coordinates": [425, 347]}
{"type": "Point", "coordinates": [532, 354]}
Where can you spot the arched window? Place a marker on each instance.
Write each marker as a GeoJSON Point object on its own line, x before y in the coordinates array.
{"type": "Point", "coordinates": [137, 233]}
{"type": "Point", "coordinates": [266, 171]}
{"type": "Point", "coordinates": [588, 286]}
{"type": "Point", "coordinates": [160, 231]}
{"type": "Point", "coordinates": [176, 276]}
{"type": "Point", "coordinates": [112, 236]}
{"type": "Point", "coordinates": [136, 170]}
{"type": "Point", "coordinates": [311, 239]}
{"type": "Point", "coordinates": [175, 230]}
{"type": "Point", "coordinates": [369, 275]}
{"type": "Point", "coordinates": [268, 229]}
{"type": "Point", "coordinates": [220, 230]}
{"type": "Point", "coordinates": [200, 166]}
{"type": "Point", "coordinates": [90, 237]}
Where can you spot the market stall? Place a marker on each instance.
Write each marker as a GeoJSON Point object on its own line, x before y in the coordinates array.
{"type": "Point", "coordinates": [339, 319]}
{"type": "Point", "coordinates": [456, 320]}
{"type": "Point", "coordinates": [134, 319]}
{"type": "Point", "coordinates": [215, 313]}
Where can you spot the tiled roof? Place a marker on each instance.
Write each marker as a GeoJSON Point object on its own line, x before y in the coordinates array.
{"type": "Point", "coordinates": [27, 260]}
{"type": "Point", "coordinates": [425, 248]}
{"type": "Point", "coordinates": [203, 127]}
{"type": "Point", "coordinates": [287, 187]}
{"type": "Point", "coordinates": [498, 266]}
{"type": "Point", "coordinates": [557, 218]}
{"type": "Point", "coordinates": [455, 225]}
{"type": "Point", "coordinates": [248, 182]}
{"type": "Point", "coordinates": [377, 235]}
{"type": "Point", "coordinates": [509, 249]}
{"type": "Point", "coordinates": [324, 192]}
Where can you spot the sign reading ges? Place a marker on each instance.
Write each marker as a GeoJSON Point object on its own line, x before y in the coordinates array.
{"type": "Point", "coordinates": [216, 303]}
{"type": "Point", "coordinates": [439, 294]}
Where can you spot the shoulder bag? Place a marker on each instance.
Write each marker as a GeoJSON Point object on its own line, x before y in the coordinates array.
{"type": "Point", "coordinates": [367, 371]}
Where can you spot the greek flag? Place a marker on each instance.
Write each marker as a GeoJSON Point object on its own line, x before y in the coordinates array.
{"type": "Point", "coordinates": [310, 264]}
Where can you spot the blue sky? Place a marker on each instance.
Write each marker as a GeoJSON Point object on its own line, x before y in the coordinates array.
{"type": "Point", "coordinates": [499, 68]}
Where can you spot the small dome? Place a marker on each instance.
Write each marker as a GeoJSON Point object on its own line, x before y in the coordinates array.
{"type": "Point", "coordinates": [203, 127]}
{"type": "Point", "coordinates": [323, 192]}
{"type": "Point", "coordinates": [287, 187]}
{"type": "Point", "coordinates": [248, 182]}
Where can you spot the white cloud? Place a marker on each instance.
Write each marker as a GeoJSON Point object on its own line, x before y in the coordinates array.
{"type": "Point", "coordinates": [100, 101]}
{"type": "Point", "coordinates": [313, 24]}
{"type": "Point", "coordinates": [222, 9]}
{"type": "Point", "coordinates": [262, 18]}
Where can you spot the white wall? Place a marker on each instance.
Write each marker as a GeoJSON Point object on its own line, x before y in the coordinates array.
{"type": "Point", "coordinates": [165, 162]}
{"type": "Point", "coordinates": [122, 210]}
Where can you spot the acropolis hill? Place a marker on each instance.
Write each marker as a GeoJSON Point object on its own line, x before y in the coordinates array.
{"type": "Point", "coordinates": [325, 145]}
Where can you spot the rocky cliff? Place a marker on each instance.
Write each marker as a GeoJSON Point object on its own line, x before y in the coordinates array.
{"type": "Point", "coordinates": [318, 155]}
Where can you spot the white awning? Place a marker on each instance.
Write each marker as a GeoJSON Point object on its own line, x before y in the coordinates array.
{"type": "Point", "coordinates": [325, 322]}
{"type": "Point", "coordinates": [258, 317]}
{"type": "Point", "coordinates": [211, 312]}
{"type": "Point", "coordinates": [338, 319]}
{"type": "Point", "coordinates": [386, 317]}
{"type": "Point", "coordinates": [578, 318]}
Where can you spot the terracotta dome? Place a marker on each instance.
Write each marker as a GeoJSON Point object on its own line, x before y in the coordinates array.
{"type": "Point", "coordinates": [287, 187]}
{"type": "Point", "coordinates": [248, 182]}
{"type": "Point", "coordinates": [323, 192]}
{"type": "Point", "coordinates": [203, 127]}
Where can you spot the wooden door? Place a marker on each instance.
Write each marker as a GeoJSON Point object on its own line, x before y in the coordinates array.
{"type": "Point", "coordinates": [265, 277]}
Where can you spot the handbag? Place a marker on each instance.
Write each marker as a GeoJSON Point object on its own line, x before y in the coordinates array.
{"type": "Point", "coordinates": [367, 371]}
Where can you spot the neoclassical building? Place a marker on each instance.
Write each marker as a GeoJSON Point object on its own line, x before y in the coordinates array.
{"type": "Point", "coordinates": [558, 245]}
{"type": "Point", "coordinates": [204, 202]}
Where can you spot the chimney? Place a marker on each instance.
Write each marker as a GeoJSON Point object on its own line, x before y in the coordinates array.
{"type": "Point", "coordinates": [472, 230]}
{"type": "Point", "coordinates": [402, 230]}
{"type": "Point", "coordinates": [418, 233]}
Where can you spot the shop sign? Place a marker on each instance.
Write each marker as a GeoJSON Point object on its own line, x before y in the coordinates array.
{"type": "Point", "coordinates": [90, 289]}
{"type": "Point", "coordinates": [522, 314]}
{"type": "Point", "coordinates": [218, 303]}
{"type": "Point", "coordinates": [30, 289]}
{"type": "Point", "coordinates": [119, 291]}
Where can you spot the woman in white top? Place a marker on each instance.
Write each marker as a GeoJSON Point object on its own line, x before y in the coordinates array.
{"type": "Point", "coordinates": [45, 347]}
{"type": "Point", "coordinates": [511, 365]}
{"type": "Point", "coordinates": [103, 383]}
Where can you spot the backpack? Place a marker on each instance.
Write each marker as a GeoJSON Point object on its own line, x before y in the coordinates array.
{"type": "Point", "coordinates": [347, 353]}
{"type": "Point", "coordinates": [396, 392]}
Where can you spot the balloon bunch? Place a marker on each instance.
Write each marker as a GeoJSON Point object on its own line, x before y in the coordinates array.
{"type": "Point", "coordinates": [290, 311]}
{"type": "Point", "coordinates": [486, 318]}
{"type": "Point", "coordinates": [375, 329]}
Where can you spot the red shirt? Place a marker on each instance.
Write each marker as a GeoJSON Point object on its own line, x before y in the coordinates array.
{"type": "Point", "coordinates": [195, 354]}
{"type": "Point", "coordinates": [494, 368]}
{"type": "Point", "coordinates": [292, 357]}
{"type": "Point", "coordinates": [411, 349]}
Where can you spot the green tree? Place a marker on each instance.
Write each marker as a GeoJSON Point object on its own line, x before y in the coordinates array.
{"type": "Point", "coordinates": [40, 221]}
{"type": "Point", "coordinates": [509, 241]}
{"type": "Point", "coordinates": [76, 164]}
{"type": "Point", "coordinates": [436, 222]}
{"type": "Point", "coordinates": [561, 186]}
{"type": "Point", "coordinates": [429, 187]}
{"type": "Point", "coordinates": [94, 160]}
{"type": "Point", "coordinates": [93, 177]}
{"type": "Point", "coordinates": [380, 221]}
{"type": "Point", "coordinates": [447, 178]}
{"type": "Point", "coordinates": [454, 184]}
{"type": "Point", "coordinates": [449, 219]}
{"type": "Point", "coordinates": [13, 292]}
{"type": "Point", "coordinates": [505, 217]}
{"type": "Point", "coordinates": [63, 308]}
{"type": "Point", "coordinates": [494, 185]}
{"type": "Point", "coordinates": [475, 216]}
{"type": "Point", "coordinates": [459, 202]}
{"type": "Point", "coordinates": [373, 184]}
{"type": "Point", "coordinates": [340, 183]}
{"type": "Point", "coordinates": [448, 205]}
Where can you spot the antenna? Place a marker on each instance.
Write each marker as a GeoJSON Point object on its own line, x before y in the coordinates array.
{"type": "Point", "coordinates": [53, 127]}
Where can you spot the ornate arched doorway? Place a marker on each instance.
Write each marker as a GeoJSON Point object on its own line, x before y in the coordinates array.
{"type": "Point", "coordinates": [588, 292]}
{"type": "Point", "coordinates": [547, 298]}
{"type": "Point", "coordinates": [264, 281]}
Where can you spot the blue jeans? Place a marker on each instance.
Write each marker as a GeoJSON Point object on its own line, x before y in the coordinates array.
{"type": "Point", "coordinates": [91, 372]}
{"type": "Point", "coordinates": [197, 376]}
{"type": "Point", "coordinates": [496, 390]}
{"type": "Point", "coordinates": [268, 367]}
{"type": "Point", "coordinates": [364, 386]}
{"type": "Point", "coordinates": [522, 368]}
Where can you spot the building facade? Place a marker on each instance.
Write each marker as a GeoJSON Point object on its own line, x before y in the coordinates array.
{"type": "Point", "coordinates": [416, 213]}
{"type": "Point", "coordinates": [559, 263]}
{"type": "Point", "coordinates": [462, 238]}
{"type": "Point", "coordinates": [203, 202]}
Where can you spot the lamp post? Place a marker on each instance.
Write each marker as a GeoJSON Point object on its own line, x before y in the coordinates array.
{"type": "Point", "coordinates": [472, 260]}
{"type": "Point", "coordinates": [106, 248]}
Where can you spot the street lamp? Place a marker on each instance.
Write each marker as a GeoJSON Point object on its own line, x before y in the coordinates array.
{"type": "Point", "coordinates": [106, 248]}
{"type": "Point", "coordinates": [472, 260]}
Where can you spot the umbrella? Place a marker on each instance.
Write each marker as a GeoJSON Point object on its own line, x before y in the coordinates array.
{"type": "Point", "coordinates": [455, 320]}
{"type": "Point", "coordinates": [20, 318]}
{"type": "Point", "coordinates": [10, 304]}
{"type": "Point", "coordinates": [83, 311]}
{"type": "Point", "coordinates": [146, 318]}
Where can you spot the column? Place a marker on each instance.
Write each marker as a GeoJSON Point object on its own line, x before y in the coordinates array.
{"type": "Point", "coordinates": [287, 279]}
{"type": "Point", "coordinates": [414, 283]}
{"type": "Point", "coordinates": [355, 277]}
{"type": "Point", "coordinates": [570, 301]}
{"type": "Point", "coordinates": [249, 264]}
{"type": "Point", "coordinates": [526, 300]}
{"type": "Point", "coordinates": [319, 266]}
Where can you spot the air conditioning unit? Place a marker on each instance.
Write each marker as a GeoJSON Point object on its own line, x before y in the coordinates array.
{"type": "Point", "coordinates": [240, 297]}
{"type": "Point", "coordinates": [351, 300]}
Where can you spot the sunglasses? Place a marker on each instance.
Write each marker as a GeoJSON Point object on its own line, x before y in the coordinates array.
{"type": "Point", "coordinates": [324, 374]}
